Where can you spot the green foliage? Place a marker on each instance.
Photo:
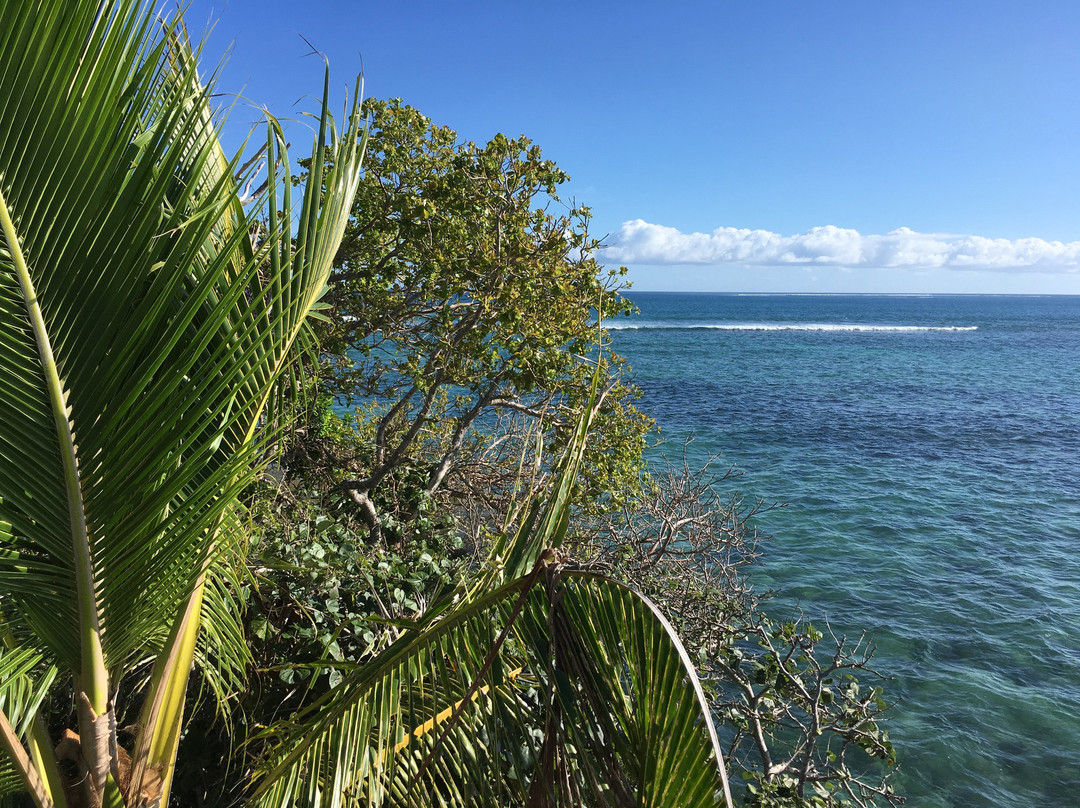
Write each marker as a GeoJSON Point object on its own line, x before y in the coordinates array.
{"type": "Point", "coordinates": [324, 593]}
{"type": "Point", "coordinates": [809, 700]}
{"type": "Point", "coordinates": [532, 682]}
{"type": "Point", "coordinates": [147, 321]}
{"type": "Point", "coordinates": [463, 316]}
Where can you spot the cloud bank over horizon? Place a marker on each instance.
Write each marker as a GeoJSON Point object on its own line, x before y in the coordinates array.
{"type": "Point", "coordinates": [640, 242]}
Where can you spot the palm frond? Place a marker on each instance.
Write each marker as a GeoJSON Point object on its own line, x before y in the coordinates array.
{"type": "Point", "coordinates": [591, 701]}
{"type": "Point", "coordinates": [167, 334]}
{"type": "Point", "coordinates": [143, 329]}
{"type": "Point", "coordinates": [222, 652]}
{"type": "Point", "coordinates": [25, 680]}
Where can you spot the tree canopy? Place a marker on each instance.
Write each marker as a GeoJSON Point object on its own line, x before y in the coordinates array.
{"type": "Point", "coordinates": [464, 312]}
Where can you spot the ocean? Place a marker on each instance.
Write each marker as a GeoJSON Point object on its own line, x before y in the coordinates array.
{"type": "Point", "coordinates": [927, 453]}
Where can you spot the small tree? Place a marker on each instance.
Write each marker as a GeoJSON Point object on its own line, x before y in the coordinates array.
{"type": "Point", "coordinates": [464, 300]}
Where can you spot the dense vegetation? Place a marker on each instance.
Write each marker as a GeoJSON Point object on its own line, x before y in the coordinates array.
{"type": "Point", "coordinates": [459, 347]}
{"type": "Point", "coordinates": [357, 452]}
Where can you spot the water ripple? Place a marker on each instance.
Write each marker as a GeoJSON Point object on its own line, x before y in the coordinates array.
{"type": "Point", "coordinates": [932, 482]}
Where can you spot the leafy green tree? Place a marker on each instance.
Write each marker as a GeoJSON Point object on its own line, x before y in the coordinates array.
{"type": "Point", "coordinates": [434, 329]}
{"type": "Point", "coordinates": [463, 307]}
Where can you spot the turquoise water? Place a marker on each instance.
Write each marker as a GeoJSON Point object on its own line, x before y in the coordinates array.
{"type": "Point", "coordinates": [928, 453]}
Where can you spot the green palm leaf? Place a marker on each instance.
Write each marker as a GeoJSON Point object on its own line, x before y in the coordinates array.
{"type": "Point", "coordinates": [589, 700]}
{"type": "Point", "coordinates": [556, 688]}
{"type": "Point", "coordinates": [143, 331]}
{"type": "Point", "coordinates": [24, 683]}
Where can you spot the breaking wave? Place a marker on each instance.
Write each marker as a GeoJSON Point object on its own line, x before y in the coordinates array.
{"type": "Point", "coordinates": [842, 327]}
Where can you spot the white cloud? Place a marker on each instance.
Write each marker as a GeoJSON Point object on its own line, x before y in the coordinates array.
{"type": "Point", "coordinates": [639, 242]}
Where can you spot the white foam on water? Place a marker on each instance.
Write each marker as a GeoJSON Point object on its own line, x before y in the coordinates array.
{"type": "Point", "coordinates": [840, 327]}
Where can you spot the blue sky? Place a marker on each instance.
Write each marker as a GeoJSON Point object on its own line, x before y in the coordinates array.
{"type": "Point", "coordinates": [738, 145]}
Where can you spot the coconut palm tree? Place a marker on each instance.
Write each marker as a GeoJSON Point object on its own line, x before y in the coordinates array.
{"type": "Point", "coordinates": [146, 321]}
{"type": "Point", "coordinates": [150, 317]}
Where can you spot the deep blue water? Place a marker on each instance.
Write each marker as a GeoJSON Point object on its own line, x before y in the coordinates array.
{"type": "Point", "coordinates": [928, 453]}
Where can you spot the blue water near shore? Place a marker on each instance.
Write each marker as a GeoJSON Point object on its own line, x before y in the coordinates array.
{"type": "Point", "coordinates": [928, 453]}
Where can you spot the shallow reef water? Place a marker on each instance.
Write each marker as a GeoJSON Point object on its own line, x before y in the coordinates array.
{"type": "Point", "coordinates": [927, 451]}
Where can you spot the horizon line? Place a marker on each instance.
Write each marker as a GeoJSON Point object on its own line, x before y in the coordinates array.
{"type": "Point", "coordinates": [630, 291]}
